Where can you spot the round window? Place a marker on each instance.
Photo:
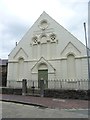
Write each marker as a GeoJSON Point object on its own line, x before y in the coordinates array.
{"type": "Point", "coordinates": [43, 24]}
{"type": "Point", "coordinates": [53, 37]}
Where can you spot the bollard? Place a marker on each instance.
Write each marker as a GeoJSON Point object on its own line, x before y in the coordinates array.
{"type": "Point", "coordinates": [33, 88]}
{"type": "Point", "coordinates": [42, 88]}
{"type": "Point", "coordinates": [24, 87]}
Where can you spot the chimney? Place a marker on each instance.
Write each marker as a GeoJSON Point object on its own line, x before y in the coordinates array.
{"type": "Point", "coordinates": [16, 43]}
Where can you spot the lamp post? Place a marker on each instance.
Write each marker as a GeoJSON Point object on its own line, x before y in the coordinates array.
{"type": "Point", "coordinates": [87, 50]}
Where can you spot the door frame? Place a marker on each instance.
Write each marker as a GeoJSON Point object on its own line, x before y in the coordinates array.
{"type": "Point", "coordinates": [43, 77]}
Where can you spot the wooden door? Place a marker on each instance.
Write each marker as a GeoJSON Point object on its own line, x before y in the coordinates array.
{"type": "Point", "coordinates": [43, 75]}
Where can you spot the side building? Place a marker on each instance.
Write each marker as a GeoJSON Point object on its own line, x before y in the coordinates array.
{"type": "Point", "coordinates": [3, 72]}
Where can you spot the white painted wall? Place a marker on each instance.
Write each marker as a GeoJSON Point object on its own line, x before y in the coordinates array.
{"type": "Point", "coordinates": [53, 54]}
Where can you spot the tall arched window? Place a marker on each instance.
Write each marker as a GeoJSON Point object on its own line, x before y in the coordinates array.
{"type": "Point", "coordinates": [71, 66]}
{"type": "Point", "coordinates": [20, 68]}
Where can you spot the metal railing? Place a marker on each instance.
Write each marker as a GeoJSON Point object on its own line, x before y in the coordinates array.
{"type": "Point", "coordinates": [80, 84]}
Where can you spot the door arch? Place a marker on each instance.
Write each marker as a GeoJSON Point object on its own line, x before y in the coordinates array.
{"type": "Point", "coordinates": [43, 75]}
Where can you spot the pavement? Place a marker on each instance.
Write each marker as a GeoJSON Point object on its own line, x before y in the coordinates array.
{"type": "Point", "coordinates": [16, 110]}
{"type": "Point", "coordinates": [46, 102]}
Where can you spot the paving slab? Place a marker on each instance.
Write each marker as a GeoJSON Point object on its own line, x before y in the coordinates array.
{"type": "Point", "coordinates": [47, 102]}
{"type": "Point", "coordinates": [15, 110]}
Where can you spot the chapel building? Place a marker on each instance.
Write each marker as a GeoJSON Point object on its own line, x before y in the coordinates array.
{"type": "Point", "coordinates": [47, 52]}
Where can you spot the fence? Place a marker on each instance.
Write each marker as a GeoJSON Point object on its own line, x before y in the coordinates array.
{"type": "Point", "coordinates": [53, 84]}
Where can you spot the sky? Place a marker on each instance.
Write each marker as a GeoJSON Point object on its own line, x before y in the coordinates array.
{"type": "Point", "coordinates": [17, 16]}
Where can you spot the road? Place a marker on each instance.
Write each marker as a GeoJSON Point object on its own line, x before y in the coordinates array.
{"type": "Point", "coordinates": [14, 110]}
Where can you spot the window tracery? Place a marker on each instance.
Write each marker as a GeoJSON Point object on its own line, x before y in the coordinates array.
{"type": "Point", "coordinates": [35, 40]}
{"type": "Point", "coordinates": [53, 37]}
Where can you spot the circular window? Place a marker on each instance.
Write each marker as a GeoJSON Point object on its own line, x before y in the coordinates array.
{"type": "Point", "coordinates": [53, 37]}
{"type": "Point", "coordinates": [43, 24]}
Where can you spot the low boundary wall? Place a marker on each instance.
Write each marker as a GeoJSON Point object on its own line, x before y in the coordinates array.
{"type": "Point", "coordinates": [62, 94]}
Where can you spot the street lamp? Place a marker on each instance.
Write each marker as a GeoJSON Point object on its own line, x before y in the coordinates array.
{"type": "Point", "coordinates": [87, 50]}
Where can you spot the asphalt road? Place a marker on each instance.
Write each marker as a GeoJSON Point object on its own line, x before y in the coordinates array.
{"type": "Point", "coordinates": [13, 110]}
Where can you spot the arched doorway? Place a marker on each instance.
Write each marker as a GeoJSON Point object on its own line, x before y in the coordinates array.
{"type": "Point", "coordinates": [42, 75]}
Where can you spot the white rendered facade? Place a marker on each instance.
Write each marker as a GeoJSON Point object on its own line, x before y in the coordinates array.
{"type": "Point", "coordinates": [48, 46]}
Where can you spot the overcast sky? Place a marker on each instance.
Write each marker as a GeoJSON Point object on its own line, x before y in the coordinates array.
{"type": "Point", "coordinates": [17, 16]}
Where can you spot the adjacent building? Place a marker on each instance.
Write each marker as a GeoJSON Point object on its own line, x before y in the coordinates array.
{"type": "Point", "coordinates": [3, 72]}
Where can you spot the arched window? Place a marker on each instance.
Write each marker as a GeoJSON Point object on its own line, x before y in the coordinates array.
{"type": "Point", "coordinates": [43, 38]}
{"type": "Point", "coordinates": [71, 66]}
{"type": "Point", "coordinates": [20, 68]}
{"type": "Point", "coordinates": [42, 66]}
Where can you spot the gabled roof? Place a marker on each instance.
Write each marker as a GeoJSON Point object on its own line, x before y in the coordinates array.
{"type": "Point", "coordinates": [21, 50]}
{"type": "Point", "coordinates": [43, 60]}
{"type": "Point", "coordinates": [35, 27]}
{"type": "Point", "coordinates": [70, 43]}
